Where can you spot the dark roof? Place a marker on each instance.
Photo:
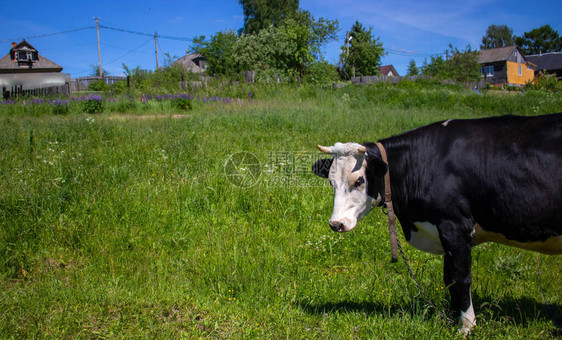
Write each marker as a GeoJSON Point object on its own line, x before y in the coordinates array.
{"type": "Point", "coordinates": [547, 61]}
{"type": "Point", "coordinates": [8, 64]}
{"type": "Point", "coordinates": [193, 62]}
{"type": "Point", "coordinates": [385, 70]}
{"type": "Point", "coordinates": [495, 54]}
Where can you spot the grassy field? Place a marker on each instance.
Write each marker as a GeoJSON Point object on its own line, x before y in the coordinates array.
{"type": "Point", "coordinates": [159, 225]}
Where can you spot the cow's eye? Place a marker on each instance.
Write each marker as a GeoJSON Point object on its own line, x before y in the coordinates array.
{"type": "Point", "coordinates": [359, 182]}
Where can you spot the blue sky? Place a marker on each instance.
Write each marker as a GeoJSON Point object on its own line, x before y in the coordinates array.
{"type": "Point", "coordinates": [408, 29]}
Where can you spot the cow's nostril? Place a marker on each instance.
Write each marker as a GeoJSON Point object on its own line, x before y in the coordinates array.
{"type": "Point", "coordinates": [337, 226]}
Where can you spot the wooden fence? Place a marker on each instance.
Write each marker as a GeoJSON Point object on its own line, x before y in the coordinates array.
{"type": "Point", "coordinates": [18, 91]}
{"type": "Point", "coordinates": [364, 80]}
{"type": "Point", "coordinates": [34, 87]}
{"type": "Point", "coordinates": [82, 83]}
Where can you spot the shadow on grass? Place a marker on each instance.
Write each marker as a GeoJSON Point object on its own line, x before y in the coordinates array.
{"type": "Point", "coordinates": [368, 308]}
{"type": "Point", "coordinates": [521, 311]}
{"type": "Point", "coordinates": [350, 307]}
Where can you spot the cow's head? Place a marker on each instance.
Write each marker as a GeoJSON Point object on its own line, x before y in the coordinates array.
{"type": "Point", "coordinates": [356, 173]}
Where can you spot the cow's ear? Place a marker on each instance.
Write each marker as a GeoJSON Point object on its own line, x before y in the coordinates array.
{"type": "Point", "coordinates": [322, 167]}
{"type": "Point", "coordinates": [376, 166]}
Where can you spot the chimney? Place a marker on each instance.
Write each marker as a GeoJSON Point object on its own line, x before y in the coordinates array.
{"type": "Point", "coordinates": [14, 44]}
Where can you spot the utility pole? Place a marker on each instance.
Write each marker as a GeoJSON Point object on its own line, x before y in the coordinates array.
{"type": "Point", "coordinates": [156, 48]}
{"type": "Point", "coordinates": [349, 37]}
{"type": "Point", "coordinates": [99, 50]}
{"type": "Point", "coordinates": [347, 42]}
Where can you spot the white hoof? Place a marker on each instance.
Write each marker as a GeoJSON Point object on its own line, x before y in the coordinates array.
{"type": "Point", "coordinates": [468, 321]}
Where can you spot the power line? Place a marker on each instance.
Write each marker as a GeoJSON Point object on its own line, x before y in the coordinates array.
{"type": "Point", "coordinates": [47, 34]}
{"type": "Point", "coordinates": [169, 37]}
{"type": "Point", "coordinates": [131, 51]}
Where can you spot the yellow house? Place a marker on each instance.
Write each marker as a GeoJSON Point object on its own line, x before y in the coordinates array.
{"type": "Point", "coordinates": [505, 66]}
{"type": "Point", "coordinates": [519, 74]}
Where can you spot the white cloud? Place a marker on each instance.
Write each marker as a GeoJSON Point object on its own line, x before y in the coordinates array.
{"type": "Point", "coordinates": [176, 20]}
{"type": "Point", "coordinates": [461, 20]}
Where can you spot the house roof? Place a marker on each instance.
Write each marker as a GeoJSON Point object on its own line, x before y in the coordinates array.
{"type": "Point", "coordinates": [495, 54]}
{"type": "Point", "coordinates": [547, 61]}
{"type": "Point", "coordinates": [191, 62]}
{"type": "Point", "coordinates": [8, 64]}
{"type": "Point", "coordinates": [386, 69]}
{"type": "Point", "coordinates": [23, 45]}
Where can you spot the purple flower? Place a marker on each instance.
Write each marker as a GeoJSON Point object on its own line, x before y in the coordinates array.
{"type": "Point", "coordinates": [94, 97]}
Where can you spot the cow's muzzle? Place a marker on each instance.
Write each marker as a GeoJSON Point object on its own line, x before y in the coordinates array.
{"type": "Point", "coordinates": [337, 226]}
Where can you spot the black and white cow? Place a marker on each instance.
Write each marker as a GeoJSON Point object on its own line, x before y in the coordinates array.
{"type": "Point", "coordinates": [456, 184]}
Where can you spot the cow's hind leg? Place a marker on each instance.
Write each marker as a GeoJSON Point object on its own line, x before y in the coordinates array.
{"type": "Point", "coordinates": [457, 275]}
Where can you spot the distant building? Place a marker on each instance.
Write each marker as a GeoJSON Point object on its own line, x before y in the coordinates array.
{"type": "Point", "coordinates": [388, 70]}
{"type": "Point", "coordinates": [193, 62]}
{"type": "Point", "coordinates": [548, 63]}
{"type": "Point", "coordinates": [23, 70]}
{"type": "Point", "coordinates": [24, 58]}
{"type": "Point", "coordinates": [505, 66]}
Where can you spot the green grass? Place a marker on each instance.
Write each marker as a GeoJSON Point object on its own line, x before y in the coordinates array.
{"type": "Point", "coordinates": [120, 228]}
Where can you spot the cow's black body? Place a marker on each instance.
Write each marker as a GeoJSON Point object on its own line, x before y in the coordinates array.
{"type": "Point", "coordinates": [502, 173]}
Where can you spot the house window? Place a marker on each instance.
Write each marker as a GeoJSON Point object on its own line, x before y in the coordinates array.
{"type": "Point", "coordinates": [24, 56]}
{"type": "Point", "coordinates": [520, 70]}
{"type": "Point", "coordinates": [487, 71]}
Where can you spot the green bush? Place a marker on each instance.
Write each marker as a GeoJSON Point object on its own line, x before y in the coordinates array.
{"type": "Point", "coordinates": [119, 87]}
{"type": "Point", "coordinates": [546, 82]}
{"type": "Point", "coordinates": [93, 104]}
{"type": "Point", "coordinates": [322, 73]}
{"type": "Point", "coordinates": [98, 85]}
{"type": "Point", "coordinates": [59, 107]}
{"type": "Point", "coordinates": [125, 105]}
{"type": "Point", "coordinates": [182, 104]}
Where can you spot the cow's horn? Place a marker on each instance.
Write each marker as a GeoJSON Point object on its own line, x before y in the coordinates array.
{"type": "Point", "coordinates": [325, 149]}
{"type": "Point", "coordinates": [362, 149]}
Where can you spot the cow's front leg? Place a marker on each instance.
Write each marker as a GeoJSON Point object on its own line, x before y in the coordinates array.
{"type": "Point", "coordinates": [457, 263]}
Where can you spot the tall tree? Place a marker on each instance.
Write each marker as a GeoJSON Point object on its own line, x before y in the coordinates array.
{"type": "Point", "coordinates": [260, 14]}
{"type": "Point", "coordinates": [497, 36]}
{"type": "Point", "coordinates": [217, 52]}
{"type": "Point", "coordinates": [413, 70]}
{"type": "Point", "coordinates": [365, 52]}
{"type": "Point", "coordinates": [289, 50]}
{"type": "Point", "coordinates": [320, 31]}
{"type": "Point", "coordinates": [540, 40]}
{"type": "Point", "coordinates": [461, 67]}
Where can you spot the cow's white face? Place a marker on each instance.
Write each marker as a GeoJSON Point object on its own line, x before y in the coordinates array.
{"type": "Point", "coordinates": [347, 173]}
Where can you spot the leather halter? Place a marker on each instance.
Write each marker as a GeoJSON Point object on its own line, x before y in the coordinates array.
{"type": "Point", "coordinates": [389, 207]}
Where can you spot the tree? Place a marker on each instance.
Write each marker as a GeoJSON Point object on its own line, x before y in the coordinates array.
{"type": "Point", "coordinates": [260, 14]}
{"type": "Point", "coordinates": [265, 52]}
{"type": "Point", "coordinates": [218, 52]}
{"type": "Point", "coordinates": [305, 37]}
{"type": "Point", "coordinates": [497, 36]}
{"type": "Point", "coordinates": [289, 50]}
{"type": "Point", "coordinates": [365, 52]}
{"type": "Point", "coordinates": [540, 40]}
{"type": "Point", "coordinates": [95, 71]}
{"type": "Point", "coordinates": [413, 70]}
{"type": "Point", "coordinates": [462, 67]}
{"type": "Point", "coordinates": [436, 68]}
{"type": "Point", "coordinates": [321, 32]}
